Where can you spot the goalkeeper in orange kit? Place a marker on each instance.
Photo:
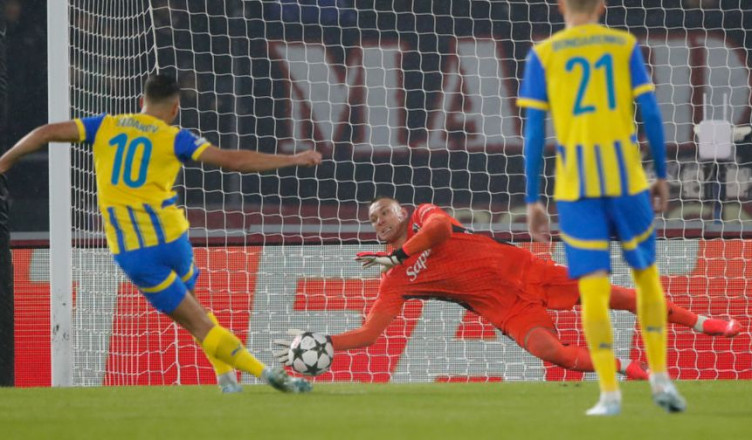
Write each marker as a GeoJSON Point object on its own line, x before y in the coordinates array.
{"type": "Point", "coordinates": [435, 257]}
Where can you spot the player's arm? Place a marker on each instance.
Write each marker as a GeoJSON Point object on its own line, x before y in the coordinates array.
{"type": "Point", "coordinates": [387, 306]}
{"type": "Point", "coordinates": [436, 228]}
{"type": "Point", "coordinates": [535, 127]}
{"type": "Point", "coordinates": [246, 161]}
{"type": "Point", "coordinates": [57, 132]}
{"type": "Point", "coordinates": [367, 334]}
{"type": "Point", "coordinates": [383, 312]}
{"type": "Point", "coordinates": [534, 98]}
{"type": "Point", "coordinates": [642, 88]}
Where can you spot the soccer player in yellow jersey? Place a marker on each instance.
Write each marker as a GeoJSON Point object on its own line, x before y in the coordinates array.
{"type": "Point", "coordinates": [588, 76]}
{"type": "Point", "coordinates": [136, 159]}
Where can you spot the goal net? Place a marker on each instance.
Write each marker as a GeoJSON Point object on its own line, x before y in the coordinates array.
{"type": "Point", "coordinates": [414, 100]}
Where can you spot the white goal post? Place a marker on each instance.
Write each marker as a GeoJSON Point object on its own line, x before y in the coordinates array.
{"type": "Point", "coordinates": [415, 101]}
{"type": "Point", "coordinates": [61, 264]}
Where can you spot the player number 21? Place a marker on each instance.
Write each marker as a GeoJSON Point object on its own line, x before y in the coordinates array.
{"type": "Point", "coordinates": [129, 150]}
{"type": "Point", "coordinates": [606, 62]}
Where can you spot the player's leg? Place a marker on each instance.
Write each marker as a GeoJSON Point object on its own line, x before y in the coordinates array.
{"type": "Point", "coordinates": [180, 255]}
{"type": "Point", "coordinates": [623, 298]}
{"type": "Point", "coordinates": [552, 284]}
{"type": "Point", "coordinates": [221, 344]}
{"type": "Point", "coordinates": [227, 378]}
{"type": "Point", "coordinates": [216, 340]}
{"type": "Point", "coordinates": [149, 270]}
{"type": "Point", "coordinates": [585, 232]}
{"type": "Point", "coordinates": [560, 294]}
{"type": "Point", "coordinates": [596, 321]}
{"type": "Point", "coordinates": [651, 313]}
{"type": "Point", "coordinates": [532, 328]}
{"type": "Point", "coordinates": [633, 219]}
{"type": "Point", "coordinates": [543, 343]}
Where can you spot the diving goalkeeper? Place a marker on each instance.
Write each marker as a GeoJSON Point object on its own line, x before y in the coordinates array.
{"type": "Point", "coordinates": [435, 257]}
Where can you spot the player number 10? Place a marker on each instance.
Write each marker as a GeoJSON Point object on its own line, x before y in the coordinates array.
{"type": "Point", "coordinates": [606, 62]}
{"type": "Point", "coordinates": [129, 149]}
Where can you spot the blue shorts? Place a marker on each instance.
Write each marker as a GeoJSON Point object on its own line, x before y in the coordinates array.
{"type": "Point", "coordinates": [588, 225]}
{"type": "Point", "coordinates": [163, 273]}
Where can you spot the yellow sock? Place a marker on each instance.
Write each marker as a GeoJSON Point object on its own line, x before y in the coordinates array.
{"type": "Point", "coordinates": [651, 312]}
{"type": "Point", "coordinates": [226, 347]}
{"type": "Point", "coordinates": [220, 367]}
{"type": "Point", "coordinates": [595, 291]}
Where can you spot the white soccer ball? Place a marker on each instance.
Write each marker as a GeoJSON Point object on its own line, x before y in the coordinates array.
{"type": "Point", "coordinates": [311, 353]}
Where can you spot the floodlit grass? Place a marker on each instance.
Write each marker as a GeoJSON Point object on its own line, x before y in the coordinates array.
{"type": "Point", "coordinates": [550, 411]}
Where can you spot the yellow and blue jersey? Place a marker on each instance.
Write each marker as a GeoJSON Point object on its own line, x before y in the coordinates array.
{"type": "Point", "coordinates": [588, 78]}
{"type": "Point", "coordinates": [137, 158]}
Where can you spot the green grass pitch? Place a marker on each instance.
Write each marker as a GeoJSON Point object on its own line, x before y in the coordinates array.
{"type": "Point", "coordinates": [516, 410]}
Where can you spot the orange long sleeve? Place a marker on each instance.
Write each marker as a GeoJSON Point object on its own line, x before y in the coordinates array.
{"type": "Point", "coordinates": [364, 336]}
{"type": "Point", "coordinates": [436, 229]}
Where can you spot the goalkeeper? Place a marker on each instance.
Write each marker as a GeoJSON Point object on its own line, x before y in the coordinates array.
{"type": "Point", "coordinates": [136, 160]}
{"type": "Point", "coordinates": [435, 257]}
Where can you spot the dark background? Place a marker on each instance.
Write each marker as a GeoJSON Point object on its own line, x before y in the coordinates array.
{"type": "Point", "coordinates": [457, 178]}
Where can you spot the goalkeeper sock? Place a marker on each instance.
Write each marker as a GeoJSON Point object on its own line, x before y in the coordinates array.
{"type": "Point", "coordinates": [626, 299]}
{"type": "Point", "coordinates": [220, 368]}
{"type": "Point", "coordinates": [596, 322]}
{"type": "Point", "coordinates": [651, 312]}
{"type": "Point", "coordinates": [226, 347]}
{"type": "Point", "coordinates": [680, 315]}
{"type": "Point", "coordinates": [700, 324]}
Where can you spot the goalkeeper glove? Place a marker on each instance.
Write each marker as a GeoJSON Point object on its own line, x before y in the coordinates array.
{"type": "Point", "coordinates": [282, 354]}
{"type": "Point", "coordinates": [384, 260]}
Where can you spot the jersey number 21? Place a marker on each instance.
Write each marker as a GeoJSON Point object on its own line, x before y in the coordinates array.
{"type": "Point", "coordinates": [606, 62]}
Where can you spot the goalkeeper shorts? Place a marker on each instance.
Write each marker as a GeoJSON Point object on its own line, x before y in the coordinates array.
{"type": "Point", "coordinates": [587, 226]}
{"type": "Point", "coordinates": [549, 283]}
{"type": "Point", "coordinates": [163, 273]}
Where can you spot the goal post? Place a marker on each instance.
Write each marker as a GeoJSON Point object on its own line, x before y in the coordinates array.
{"type": "Point", "coordinates": [416, 101]}
{"type": "Point", "coordinates": [61, 253]}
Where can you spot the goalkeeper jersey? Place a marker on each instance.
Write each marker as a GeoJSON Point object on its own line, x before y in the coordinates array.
{"type": "Point", "coordinates": [136, 160]}
{"type": "Point", "coordinates": [473, 270]}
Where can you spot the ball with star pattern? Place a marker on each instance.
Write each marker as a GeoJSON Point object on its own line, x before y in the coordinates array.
{"type": "Point", "coordinates": [311, 353]}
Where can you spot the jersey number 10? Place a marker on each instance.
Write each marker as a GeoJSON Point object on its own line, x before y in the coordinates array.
{"type": "Point", "coordinates": [129, 150]}
{"type": "Point", "coordinates": [606, 62]}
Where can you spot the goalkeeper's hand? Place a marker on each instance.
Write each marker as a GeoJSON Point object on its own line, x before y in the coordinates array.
{"type": "Point", "coordinates": [283, 347]}
{"type": "Point", "coordinates": [384, 260]}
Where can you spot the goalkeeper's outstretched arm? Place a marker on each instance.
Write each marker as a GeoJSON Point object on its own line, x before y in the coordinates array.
{"type": "Point", "coordinates": [366, 335]}
{"type": "Point", "coordinates": [58, 132]}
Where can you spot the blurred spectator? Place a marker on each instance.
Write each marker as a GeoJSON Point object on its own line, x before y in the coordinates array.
{"type": "Point", "coordinates": [27, 60]}
{"type": "Point", "coordinates": [26, 42]}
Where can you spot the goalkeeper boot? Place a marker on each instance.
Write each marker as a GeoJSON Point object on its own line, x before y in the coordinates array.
{"type": "Point", "coordinates": [719, 327]}
{"type": "Point", "coordinates": [608, 405]}
{"type": "Point", "coordinates": [636, 370]}
{"type": "Point", "coordinates": [279, 380]}
{"type": "Point", "coordinates": [228, 383]}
